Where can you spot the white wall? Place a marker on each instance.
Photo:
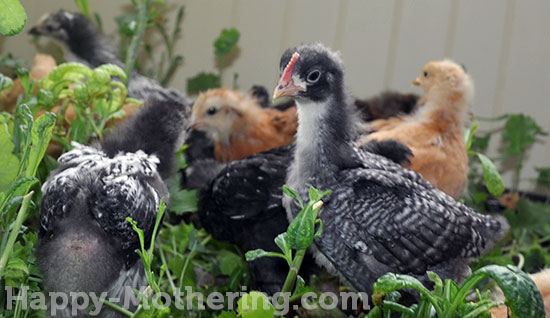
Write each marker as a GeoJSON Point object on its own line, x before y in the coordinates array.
{"type": "Point", "coordinates": [505, 45]}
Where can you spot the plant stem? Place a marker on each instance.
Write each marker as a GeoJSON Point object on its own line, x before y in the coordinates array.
{"type": "Point", "coordinates": [137, 39]}
{"type": "Point", "coordinates": [21, 216]}
{"type": "Point", "coordinates": [118, 308]}
{"type": "Point", "coordinates": [292, 273]}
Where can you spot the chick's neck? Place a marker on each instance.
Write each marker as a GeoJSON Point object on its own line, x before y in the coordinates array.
{"type": "Point", "coordinates": [447, 109]}
{"type": "Point", "coordinates": [324, 137]}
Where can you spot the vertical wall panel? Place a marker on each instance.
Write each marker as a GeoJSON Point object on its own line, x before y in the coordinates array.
{"type": "Point", "coordinates": [477, 46]}
{"type": "Point", "coordinates": [364, 43]}
{"type": "Point", "coordinates": [422, 33]}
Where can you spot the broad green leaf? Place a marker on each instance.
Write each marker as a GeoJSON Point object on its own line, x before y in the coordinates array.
{"type": "Point", "coordinates": [225, 42]}
{"type": "Point", "coordinates": [10, 162]}
{"type": "Point", "coordinates": [40, 138]}
{"type": "Point", "coordinates": [202, 82]}
{"type": "Point", "coordinates": [491, 176]}
{"type": "Point", "coordinates": [12, 17]}
{"type": "Point", "coordinates": [181, 201]}
{"type": "Point", "coordinates": [6, 83]}
{"type": "Point", "coordinates": [519, 133]}
{"type": "Point", "coordinates": [228, 262]}
{"type": "Point", "coordinates": [480, 143]}
{"type": "Point", "coordinates": [543, 178]}
{"type": "Point", "coordinates": [522, 296]}
{"type": "Point", "coordinates": [301, 230]}
{"type": "Point", "coordinates": [254, 254]}
{"type": "Point", "coordinates": [19, 187]}
{"type": "Point", "coordinates": [282, 243]}
{"type": "Point", "coordinates": [255, 305]}
{"type": "Point", "coordinates": [438, 290]}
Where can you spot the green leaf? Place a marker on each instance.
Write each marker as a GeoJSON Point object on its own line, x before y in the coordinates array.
{"type": "Point", "coordinates": [491, 176]}
{"type": "Point", "coordinates": [293, 194]}
{"type": "Point", "coordinates": [112, 70]}
{"type": "Point", "coordinates": [181, 200]}
{"type": "Point", "coordinates": [227, 314]}
{"type": "Point", "coordinates": [225, 42]}
{"type": "Point", "coordinates": [10, 162]}
{"type": "Point", "coordinates": [282, 243]}
{"type": "Point", "coordinates": [6, 83]}
{"type": "Point", "coordinates": [40, 138]}
{"type": "Point", "coordinates": [254, 254]}
{"type": "Point", "coordinates": [300, 232]}
{"type": "Point", "coordinates": [543, 178]}
{"type": "Point", "coordinates": [522, 296]}
{"type": "Point", "coordinates": [255, 305]}
{"type": "Point", "coordinates": [469, 135]}
{"type": "Point", "coordinates": [12, 17]}
{"type": "Point", "coordinates": [391, 282]}
{"type": "Point", "coordinates": [228, 262]}
{"type": "Point", "coordinates": [519, 133]}
{"type": "Point", "coordinates": [202, 82]}
{"type": "Point", "coordinates": [84, 7]}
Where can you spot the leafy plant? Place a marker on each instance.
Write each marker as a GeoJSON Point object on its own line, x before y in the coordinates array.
{"type": "Point", "coordinates": [449, 300]}
{"type": "Point", "coordinates": [224, 44]}
{"type": "Point", "coordinates": [296, 240]}
{"type": "Point", "coordinates": [85, 100]}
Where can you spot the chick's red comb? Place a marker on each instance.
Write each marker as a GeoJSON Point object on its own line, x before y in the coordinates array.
{"type": "Point", "coordinates": [287, 73]}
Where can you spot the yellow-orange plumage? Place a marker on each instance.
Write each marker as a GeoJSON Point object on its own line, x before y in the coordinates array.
{"type": "Point", "coordinates": [434, 132]}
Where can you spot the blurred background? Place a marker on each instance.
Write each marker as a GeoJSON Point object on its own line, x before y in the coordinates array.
{"type": "Point", "coordinates": [505, 46]}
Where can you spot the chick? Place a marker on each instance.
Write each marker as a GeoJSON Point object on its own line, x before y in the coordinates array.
{"type": "Point", "coordinates": [239, 126]}
{"type": "Point", "coordinates": [380, 217]}
{"type": "Point", "coordinates": [434, 132]}
{"type": "Point", "coordinates": [85, 243]}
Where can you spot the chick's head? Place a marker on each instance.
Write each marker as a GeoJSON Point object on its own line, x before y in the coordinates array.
{"type": "Point", "coordinates": [445, 78]}
{"type": "Point", "coordinates": [216, 112]}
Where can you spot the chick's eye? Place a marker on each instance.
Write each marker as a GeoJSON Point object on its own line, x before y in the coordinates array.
{"type": "Point", "coordinates": [211, 111]}
{"type": "Point", "coordinates": [313, 76]}
{"type": "Point", "coordinates": [425, 74]}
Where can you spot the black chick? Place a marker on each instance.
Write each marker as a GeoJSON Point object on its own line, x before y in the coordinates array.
{"type": "Point", "coordinates": [385, 105]}
{"type": "Point", "coordinates": [86, 45]}
{"type": "Point", "coordinates": [85, 243]}
{"type": "Point", "coordinates": [380, 216]}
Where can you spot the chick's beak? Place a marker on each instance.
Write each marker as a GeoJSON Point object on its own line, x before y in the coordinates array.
{"type": "Point", "coordinates": [286, 86]}
{"type": "Point", "coordinates": [416, 81]}
{"type": "Point", "coordinates": [287, 89]}
{"type": "Point", "coordinates": [35, 31]}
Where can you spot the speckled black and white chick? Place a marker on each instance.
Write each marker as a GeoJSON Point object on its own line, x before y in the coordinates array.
{"type": "Point", "coordinates": [85, 243]}
{"type": "Point", "coordinates": [82, 42]}
{"type": "Point", "coordinates": [380, 216]}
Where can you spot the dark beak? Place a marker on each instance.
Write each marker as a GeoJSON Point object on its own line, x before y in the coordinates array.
{"type": "Point", "coordinates": [34, 31]}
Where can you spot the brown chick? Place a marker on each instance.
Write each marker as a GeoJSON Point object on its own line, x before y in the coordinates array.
{"type": "Point", "coordinates": [434, 132]}
{"type": "Point", "coordinates": [239, 126]}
